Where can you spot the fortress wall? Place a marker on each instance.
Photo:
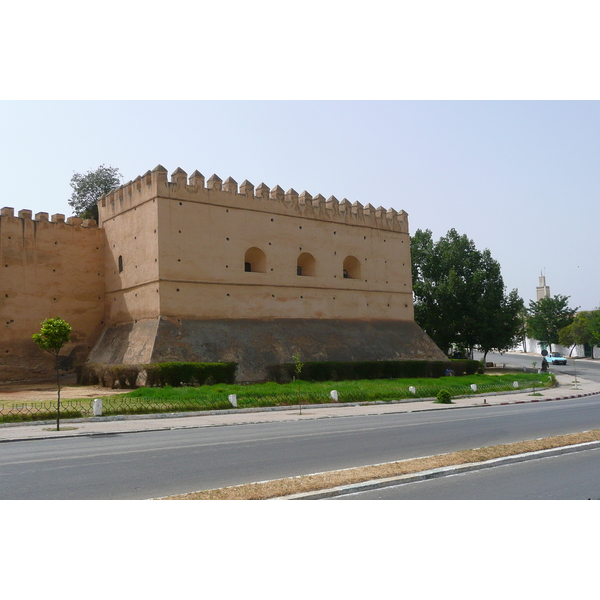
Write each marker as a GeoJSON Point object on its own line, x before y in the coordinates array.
{"type": "Point", "coordinates": [257, 343]}
{"type": "Point", "coordinates": [49, 268]}
{"type": "Point", "coordinates": [202, 267]}
{"type": "Point", "coordinates": [131, 258]}
{"type": "Point", "coordinates": [210, 273]}
{"type": "Point", "coordinates": [193, 238]}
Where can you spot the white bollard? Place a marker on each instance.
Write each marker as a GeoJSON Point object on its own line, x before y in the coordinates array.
{"type": "Point", "coordinates": [334, 395]}
{"type": "Point", "coordinates": [474, 387]}
{"type": "Point", "coordinates": [515, 384]}
{"type": "Point", "coordinates": [97, 408]}
{"type": "Point", "coordinates": [412, 389]}
{"type": "Point", "coordinates": [233, 400]}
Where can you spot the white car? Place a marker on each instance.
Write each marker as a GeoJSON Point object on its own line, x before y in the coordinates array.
{"type": "Point", "coordinates": [556, 358]}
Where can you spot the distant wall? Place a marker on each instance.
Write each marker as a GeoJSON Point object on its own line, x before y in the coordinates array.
{"type": "Point", "coordinates": [49, 267]}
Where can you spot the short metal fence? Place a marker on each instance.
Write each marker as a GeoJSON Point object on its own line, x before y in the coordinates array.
{"type": "Point", "coordinates": [44, 411]}
{"type": "Point", "coordinates": [124, 405]}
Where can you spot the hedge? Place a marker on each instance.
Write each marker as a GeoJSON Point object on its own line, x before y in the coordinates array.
{"type": "Point", "coordinates": [383, 369]}
{"type": "Point", "coordinates": [174, 374]}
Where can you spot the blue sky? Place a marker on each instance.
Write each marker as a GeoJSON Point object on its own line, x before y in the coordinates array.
{"type": "Point", "coordinates": [518, 177]}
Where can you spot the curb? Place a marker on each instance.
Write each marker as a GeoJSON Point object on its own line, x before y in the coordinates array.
{"type": "Point", "coordinates": [167, 416]}
{"type": "Point", "coordinates": [437, 473]}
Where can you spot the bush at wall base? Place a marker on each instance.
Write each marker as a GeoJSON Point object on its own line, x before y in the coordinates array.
{"type": "Point", "coordinates": [376, 369]}
{"type": "Point", "coordinates": [174, 374]}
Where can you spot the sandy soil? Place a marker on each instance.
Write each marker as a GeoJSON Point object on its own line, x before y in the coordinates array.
{"type": "Point", "coordinates": [46, 390]}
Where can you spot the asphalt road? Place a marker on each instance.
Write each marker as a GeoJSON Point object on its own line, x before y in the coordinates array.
{"type": "Point", "coordinates": [573, 476]}
{"type": "Point", "coordinates": [155, 464]}
{"type": "Point", "coordinates": [586, 369]}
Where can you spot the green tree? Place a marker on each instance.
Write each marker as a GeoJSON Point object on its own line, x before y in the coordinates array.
{"type": "Point", "coordinates": [547, 317]}
{"type": "Point", "coordinates": [585, 329]}
{"type": "Point", "coordinates": [89, 187]}
{"type": "Point", "coordinates": [53, 335]}
{"type": "Point", "coordinates": [505, 327]}
{"type": "Point", "coordinates": [460, 294]}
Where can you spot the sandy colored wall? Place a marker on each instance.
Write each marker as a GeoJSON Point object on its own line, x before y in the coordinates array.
{"type": "Point", "coordinates": [188, 239]}
{"type": "Point", "coordinates": [132, 290]}
{"type": "Point", "coordinates": [48, 269]}
{"type": "Point", "coordinates": [184, 291]}
{"type": "Point", "coordinates": [202, 266]}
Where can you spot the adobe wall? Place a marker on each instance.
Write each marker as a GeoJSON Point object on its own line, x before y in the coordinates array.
{"type": "Point", "coordinates": [216, 272]}
{"type": "Point", "coordinates": [131, 260]}
{"type": "Point", "coordinates": [257, 343]}
{"type": "Point", "coordinates": [189, 240]}
{"type": "Point", "coordinates": [49, 268]}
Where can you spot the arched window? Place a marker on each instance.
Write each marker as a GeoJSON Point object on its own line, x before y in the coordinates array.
{"type": "Point", "coordinates": [306, 265]}
{"type": "Point", "coordinates": [120, 264]}
{"type": "Point", "coordinates": [255, 261]}
{"type": "Point", "coordinates": [351, 268]}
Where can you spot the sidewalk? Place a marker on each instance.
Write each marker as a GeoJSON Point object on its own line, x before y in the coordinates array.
{"type": "Point", "coordinates": [142, 423]}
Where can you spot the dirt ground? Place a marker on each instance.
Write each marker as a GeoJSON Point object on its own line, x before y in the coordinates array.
{"type": "Point", "coordinates": [38, 390]}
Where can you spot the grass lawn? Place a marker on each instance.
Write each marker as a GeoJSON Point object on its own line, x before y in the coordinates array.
{"type": "Point", "coordinates": [348, 391]}
{"type": "Point", "coordinates": [215, 397]}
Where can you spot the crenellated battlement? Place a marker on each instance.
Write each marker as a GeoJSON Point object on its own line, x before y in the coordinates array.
{"type": "Point", "coordinates": [27, 215]}
{"type": "Point", "coordinates": [246, 196]}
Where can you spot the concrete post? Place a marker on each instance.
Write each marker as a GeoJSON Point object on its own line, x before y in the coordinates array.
{"type": "Point", "coordinates": [334, 395]}
{"type": "Point", "coordinates": [233, 400]}
{"type": "Point", "coordinates": [97, 407]}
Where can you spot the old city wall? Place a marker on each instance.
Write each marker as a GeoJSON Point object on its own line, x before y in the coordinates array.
{"type": "Point", "coordinates": [309, 257]}
{"type": "Point", "coordinates": [209, 270]}
{"type": "Point", "coordinates": [49, 268]}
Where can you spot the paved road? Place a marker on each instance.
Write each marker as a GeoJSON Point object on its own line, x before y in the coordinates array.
{"type": "Point", "coordinates": [573, 476]}
{"type": "Point", "coordinates": [154, 464]}
{"type": "Point", "coordinates": [581, 368]}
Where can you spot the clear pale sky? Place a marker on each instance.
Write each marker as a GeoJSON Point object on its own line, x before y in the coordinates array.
{"type": "Point", "coordinates": [518, 177]}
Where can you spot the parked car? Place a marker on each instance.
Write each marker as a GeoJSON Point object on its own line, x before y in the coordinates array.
{"type": "Point", "coordinates": [556, 358]}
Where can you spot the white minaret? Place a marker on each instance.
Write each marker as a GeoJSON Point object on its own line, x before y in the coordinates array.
{"type": "Point", "coordinates": [542, 290]}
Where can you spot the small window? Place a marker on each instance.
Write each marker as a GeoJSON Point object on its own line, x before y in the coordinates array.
{"type": "Point", "coordinates": [351, 269]}
{"type": "Point", "coordinates": [257, 260]}
{"type": "Point", "coordinates": [120, 264]}
{"type": "Point", "coordinates": [306, 265]}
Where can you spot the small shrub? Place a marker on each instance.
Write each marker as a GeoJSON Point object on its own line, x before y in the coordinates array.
{"type": "Point", "coordinates": [444, 397]}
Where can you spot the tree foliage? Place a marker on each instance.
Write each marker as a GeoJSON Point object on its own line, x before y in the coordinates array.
{"type": "Point", "coordinates": [89, 187]}
{"type": "Point", "coordinates": [460, 294]}
{"type": "Point", "coordinates": [585, 329]}
{"type": "Point", "coordinates": [547, 317]}
{"type": "Point", "coordinates": [53, 335]}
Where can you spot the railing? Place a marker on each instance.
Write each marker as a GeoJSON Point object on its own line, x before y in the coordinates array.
{"type": "Point", "coordinates": [124, 405]}
{"type": "Point", "coordinates": [44, 411]}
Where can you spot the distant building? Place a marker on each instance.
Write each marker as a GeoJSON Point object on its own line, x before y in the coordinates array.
{"type": "Point", "coordinates": [542, 290]}
{"type": "Point", "coordinates": [536, 347]}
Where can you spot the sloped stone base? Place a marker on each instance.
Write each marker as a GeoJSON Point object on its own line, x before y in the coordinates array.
{"type": "Point", "coordinates": [254, 344]}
